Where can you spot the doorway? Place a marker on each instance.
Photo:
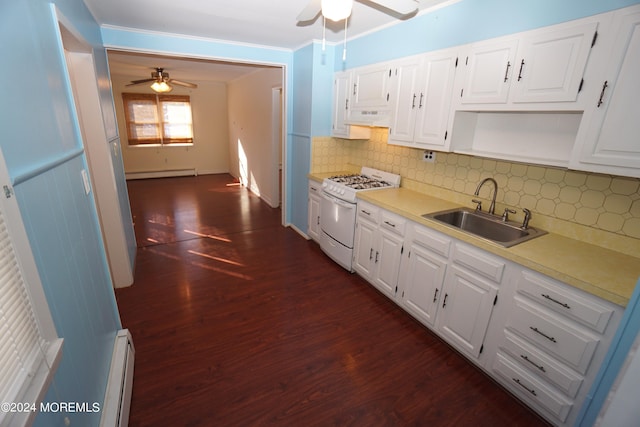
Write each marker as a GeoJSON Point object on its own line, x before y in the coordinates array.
{"type": "Point", "coordinates": [82, 77]}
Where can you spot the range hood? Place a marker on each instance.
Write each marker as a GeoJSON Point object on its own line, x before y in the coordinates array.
{"type": "Point", "coordinates": [372, 117]}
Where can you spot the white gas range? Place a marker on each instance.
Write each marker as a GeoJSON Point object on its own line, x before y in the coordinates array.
{"type": "Point", "coordinates": [338, 210]}
{"type": "Point", "coordinates": [345, 187]}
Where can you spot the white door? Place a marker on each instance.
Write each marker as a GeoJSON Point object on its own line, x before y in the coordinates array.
{"type": "Point", "coordinates": [465, 310]}
{"type": "Point", "coordinates": [609, 140]}
{"type": "Point", "coordinates": [364, 256]}
{"type": "Point", "coordinates": [550, 65]}
{"type": "Point", "coordinates": [314, 212]}
{"type": "Point", "coordinates": [387, 260]}
{"type": "Point", "coordinates": [341, 87]}
{"type": "Point", "coordinates": [371, 87]}
{"type": "Point", "coordinates": [489, 68]}
{"type": "Point", "coordinates": [421, 283]}
{"type": "Point", "coordinates": [406, 90]}
{"type": "Point", "coordinates": [434, 99]}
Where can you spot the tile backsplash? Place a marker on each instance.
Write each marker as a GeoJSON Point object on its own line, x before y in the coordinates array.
{"type": "Point", "coordinates": [601, 202]}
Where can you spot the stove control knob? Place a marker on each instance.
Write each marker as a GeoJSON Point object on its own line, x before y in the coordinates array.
{"type": "Point", "coordinates": [342, 191]}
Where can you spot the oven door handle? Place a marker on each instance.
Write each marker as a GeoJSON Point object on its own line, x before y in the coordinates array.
{"type": "Point", "coordinates": [338, 201]}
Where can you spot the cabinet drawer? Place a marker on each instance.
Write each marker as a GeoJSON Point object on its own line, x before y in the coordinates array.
{"type": "Point", "coordinates": [530, 388]}
{"type": "Point", "coordinates": [479, 262]}
{"type": "Point", "coordinates": [553, 334]}
{"type": "Point", "coordinates": [392, 222]}
{"type": "Point", "coordinates": [431, 240]}
{"type": "Point", "coordinates": [366, 210]}
{"type": "Point", "coordinates": [559, 298]}
{"type": "Point", "coordinates": [542, 364]}
{"type": "Point", "coordinates": [314, 188]}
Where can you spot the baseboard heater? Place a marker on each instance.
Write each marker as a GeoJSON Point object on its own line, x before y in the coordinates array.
{"type": "Point", "coordinates": [117, 399]}
{"type": "Point", "coordinates": [161, 173]}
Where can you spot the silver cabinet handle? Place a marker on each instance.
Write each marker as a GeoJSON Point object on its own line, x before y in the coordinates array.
{"type": "Point", "coordinates": [541, 368]}
{"type": "Point", "coordinates": [565, 305]}
{"type": "Point", "coordinates": [534, 329]}
{"type": "Point", "coordinates": [517, 380]}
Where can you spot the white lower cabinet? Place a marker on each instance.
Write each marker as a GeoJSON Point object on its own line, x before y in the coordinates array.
{"type": "Point", "coordinates": [554, 340]}
{"type": "Point", "coordinates": [313, 226]}
{"type": "Point", "coordinates": [465, 310]}
{"type": "Point", "coordinates": [378, 247]}
{"type": "Point", "coordinates": [422, 273]}
{"type": "Point", "coordinates": [543, 340]}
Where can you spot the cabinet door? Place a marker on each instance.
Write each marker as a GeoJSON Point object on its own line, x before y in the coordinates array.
{"type": "Point", "coordinates": [608, 140]}
{"type": "Point", "coordinates": [341, 87]}
{"type": "Point", "coordinates": [465, 310]}
{"type": "Point", "coordinates": [387, 261]}
{"type": "Point", "coordinates": [421, 283]}
{"type": "Point", "coordinates": [364, 250]}
{"type": "Point", "coordinates": [405, 100]}
{"type": "Point", "coordinates": [370, 87]}
{"type": "Point", "coordinates": [551, 64]}
{"type": "Point", "coordinates": [434, 100]}
{"type": "Point", "coordinates": [488, 71]}
{"type": "Point", "coordinates": [314, 212]}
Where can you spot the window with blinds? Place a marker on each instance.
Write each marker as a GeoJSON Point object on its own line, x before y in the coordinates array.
{"type": "Point", "coordinates": [30, 349]}
{"type": "Point", "coordinates": [19, 336]}
{"type": "Point", "coordinates": [153, 119]}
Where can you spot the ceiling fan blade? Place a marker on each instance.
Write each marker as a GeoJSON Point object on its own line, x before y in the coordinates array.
{"type": "Point", "coordinates": [311, 10]}
{"type": "Point", "coordinates": [137, 82]}
{"type": "Point", "coordinates": [403, 7]}
{"type": "Point", "coordinates": [181, 83]}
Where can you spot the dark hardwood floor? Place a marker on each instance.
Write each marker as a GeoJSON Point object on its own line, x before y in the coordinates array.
{"type": "Point", "coordinates": [238, 321]}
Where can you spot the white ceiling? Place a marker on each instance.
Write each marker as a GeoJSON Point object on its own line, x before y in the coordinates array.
{"type": "Point", "coordinates": [259, 22]}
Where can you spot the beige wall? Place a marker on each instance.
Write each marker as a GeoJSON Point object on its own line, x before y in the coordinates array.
{"type": "Point", "coordinates": [558, 198]}
{"type": "Point", "coordinates": [254, 153]}
{"type": "Point", "coordinates": [210, 150]}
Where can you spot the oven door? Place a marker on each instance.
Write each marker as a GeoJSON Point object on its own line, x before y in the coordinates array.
{"type": "Point", "coordinates": [338, 219]}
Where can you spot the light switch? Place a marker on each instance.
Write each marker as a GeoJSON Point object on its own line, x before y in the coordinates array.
{"type": "Point", "coordinates": [85, 181]}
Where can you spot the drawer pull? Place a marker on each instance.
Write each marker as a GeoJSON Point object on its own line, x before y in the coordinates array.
{"type": "Point", "coordinates": [435, 295]}
{"type": "Point", "coordinates": [533, 363]}
{"type": "Point", "coordinates": [552, 339]}
{"type": "Point", "coordinates": [517, 380]}
{"type": "Point", "coordinates": [365, 212]}
{"type": "Point", "coordinates": [565, 305]}
{"type": "Point", "coordinates": [390, 224]}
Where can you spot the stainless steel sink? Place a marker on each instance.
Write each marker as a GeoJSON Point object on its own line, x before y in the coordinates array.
{"type": "Point", "coordinates": [489, 227]}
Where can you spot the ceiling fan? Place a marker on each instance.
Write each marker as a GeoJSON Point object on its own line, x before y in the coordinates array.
{"type": "Point", "coordinates": [337, 10]}
{"type": "Point", "coordinates": [161, 81]}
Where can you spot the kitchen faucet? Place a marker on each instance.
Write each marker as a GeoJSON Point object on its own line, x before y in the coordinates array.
{"type": "Point", "coordinates": [492, 207]}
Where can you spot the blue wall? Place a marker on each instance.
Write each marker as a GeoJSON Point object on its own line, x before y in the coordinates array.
{"type": "Point", "coordinates": [465, 22]}
{"type": "Point", "coordinates": [45, 156]}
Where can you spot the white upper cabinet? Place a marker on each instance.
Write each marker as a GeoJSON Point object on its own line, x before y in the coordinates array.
{"type": "Point", "coordinates": [489, 66]}
{"type": "Point", "coordinates": [535, 67]}
{"type": "Point", "coordinates": [551, 64]}
{"type": "Point", "coordinates": [405, 90]}
{"type": "Point", "coordinates": [341, 87]}
{"type": "Point", "coordinates": [434, 101]}
{"type": "Point", "coordinates": [421, 95]}
{"type": "Point", "coordinates": [608, 140]}
{"type": "Point", "coordinates": [341, 100]}
{"type": "Point", "coordinates": [370, 88]}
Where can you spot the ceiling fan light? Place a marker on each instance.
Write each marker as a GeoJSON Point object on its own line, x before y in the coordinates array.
{"type": "Point", "coordinates": [161, 87]}
{"type": "Point", "coordinates": [336, 10]}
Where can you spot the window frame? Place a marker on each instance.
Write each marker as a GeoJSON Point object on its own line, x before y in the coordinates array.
{"type": "Point", "coordinates": [158, 100]}
{"type": "Point", "coordinates": [29, 388]}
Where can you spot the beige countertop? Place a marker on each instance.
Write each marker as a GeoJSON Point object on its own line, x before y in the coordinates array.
{"type": "Point", "coordinates": [599, 271]}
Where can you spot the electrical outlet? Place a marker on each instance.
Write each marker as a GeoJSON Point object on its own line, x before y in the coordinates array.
{"type": "Point", "coordinates": [429, 156]}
